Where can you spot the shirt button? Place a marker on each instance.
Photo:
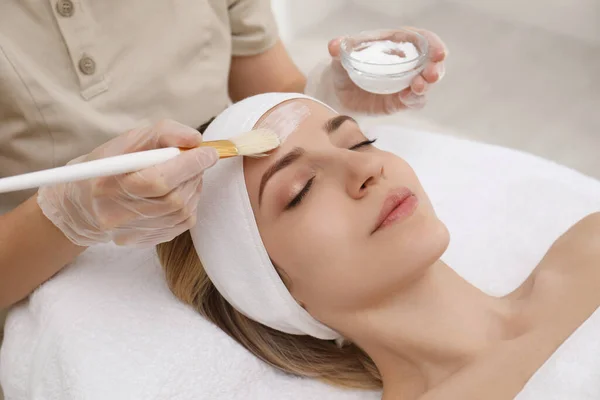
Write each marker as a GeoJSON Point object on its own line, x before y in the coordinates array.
{"type": "Point", "coordinates": [87, 65]}
{"type": "Point", "coordinates": [65, 8]}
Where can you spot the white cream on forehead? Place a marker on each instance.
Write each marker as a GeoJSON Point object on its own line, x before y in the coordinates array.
{"type": "Point", "coordinates": [285, 119]}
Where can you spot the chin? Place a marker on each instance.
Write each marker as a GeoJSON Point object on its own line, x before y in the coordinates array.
{"type": "Point", "coordinates": [417, 245]}
{"type": "Point", "coordinates": [440, 238]}
{"type": "Point", "coordinates": [433, 232]}
{"type": "Point", "coordinates": [431, 241]}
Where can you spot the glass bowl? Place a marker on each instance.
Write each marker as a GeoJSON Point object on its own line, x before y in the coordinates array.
{"type": "Point", "coordinates": [383, 77]}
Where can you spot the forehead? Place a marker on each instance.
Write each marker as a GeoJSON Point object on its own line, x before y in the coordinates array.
{"type": "Point", "coordinates": [297, 122]}
{"type": "Point", "coordinates": [294, 115]}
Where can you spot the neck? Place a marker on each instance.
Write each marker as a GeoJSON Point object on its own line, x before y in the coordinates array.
{"type": "Point", "coordinates": [430, 330]}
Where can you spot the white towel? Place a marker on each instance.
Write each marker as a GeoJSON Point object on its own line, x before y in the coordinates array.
{"type": "Point", "coordinates": [108, 328]}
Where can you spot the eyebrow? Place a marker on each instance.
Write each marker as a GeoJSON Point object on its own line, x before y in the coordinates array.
{"type": "Point", "coordinates": [334, 123]}
{"type": "Point", "coordinates": [330, 126]}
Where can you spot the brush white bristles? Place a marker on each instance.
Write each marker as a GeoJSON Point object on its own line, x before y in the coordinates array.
{"type": "Point", "coordinates": [255, 143]}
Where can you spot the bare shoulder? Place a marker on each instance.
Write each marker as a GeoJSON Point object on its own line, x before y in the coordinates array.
{"type": "Point", "coordinates": [499, 374]}
{"type": "Point", "coordinates": [578, 249]}
{"type": "Point", "coordinates": [582, 238]}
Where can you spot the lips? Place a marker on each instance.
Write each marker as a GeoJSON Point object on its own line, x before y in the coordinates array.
{"type": "Point", "coordinates": [398, 205]}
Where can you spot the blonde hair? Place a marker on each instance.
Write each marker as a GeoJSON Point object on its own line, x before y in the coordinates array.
{"type": "Point", "coordinates": [306, 356]}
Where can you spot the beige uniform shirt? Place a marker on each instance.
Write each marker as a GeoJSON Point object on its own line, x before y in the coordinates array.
{"type": "Point", "coordinates": [76, 73]}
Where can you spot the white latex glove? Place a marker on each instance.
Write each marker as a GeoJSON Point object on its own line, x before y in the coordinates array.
{"type": "Point", "coordinates": [145, 208]}
{"type": "Point", "coordinates": [330, 83]}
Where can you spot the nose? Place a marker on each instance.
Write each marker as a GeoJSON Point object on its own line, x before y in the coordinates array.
{"type": "Point", "coordinates": [364, 170]}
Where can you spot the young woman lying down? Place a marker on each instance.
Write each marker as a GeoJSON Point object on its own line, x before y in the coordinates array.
{"type": "Point", "coordinates": [323, 260]}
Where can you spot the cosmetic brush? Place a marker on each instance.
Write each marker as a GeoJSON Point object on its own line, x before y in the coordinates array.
{"type": "Point", "coordinates": [253, 144]}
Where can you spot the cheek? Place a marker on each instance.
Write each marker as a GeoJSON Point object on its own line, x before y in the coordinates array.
{"type": "Point", "coordinates": [331, 271]}
{"type": "Point", "coordinates": [311, 245]}
{"type": "Point", "coordinates": [304, 244]}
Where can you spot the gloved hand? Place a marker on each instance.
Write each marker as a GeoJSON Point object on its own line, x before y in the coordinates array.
{"type": "Point", "coordinates": [147, 207]}
{"type": "Point", "coordinates": [329, 82]}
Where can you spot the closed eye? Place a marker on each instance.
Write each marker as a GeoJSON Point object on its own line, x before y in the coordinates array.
{"type": "Point", "coordinates": [302, 194]}
{"type": "Point", "coordinates": [363, 144]}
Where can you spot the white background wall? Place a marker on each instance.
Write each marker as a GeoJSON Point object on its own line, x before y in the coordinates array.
{"type": "Point", "coordinates": [397, 7]}
{"type": "Point", "coordinates": [577, 18]}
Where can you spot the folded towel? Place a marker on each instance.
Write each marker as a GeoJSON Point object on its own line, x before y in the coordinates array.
{"type": "Point", "coordinates": [107, 327]}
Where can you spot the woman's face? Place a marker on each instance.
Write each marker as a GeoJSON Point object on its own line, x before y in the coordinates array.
{"type": "Point", "coordinates": [319, 201]}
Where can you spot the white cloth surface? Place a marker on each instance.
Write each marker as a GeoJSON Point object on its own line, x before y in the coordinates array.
{"type": "Point", "coordinates": [108, 328]}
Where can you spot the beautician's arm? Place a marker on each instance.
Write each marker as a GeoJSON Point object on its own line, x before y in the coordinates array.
{"type": "Point", "coordinates": [32, 250]}
{"type": "Point", "coordinates": [271, 71]}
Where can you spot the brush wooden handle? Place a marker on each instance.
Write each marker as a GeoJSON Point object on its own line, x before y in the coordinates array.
{"type": "Point", "coordinates": [225, 148]}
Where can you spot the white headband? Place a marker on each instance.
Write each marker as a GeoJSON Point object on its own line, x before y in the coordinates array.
{"type": "Point", "coordinates": [227, 239]}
